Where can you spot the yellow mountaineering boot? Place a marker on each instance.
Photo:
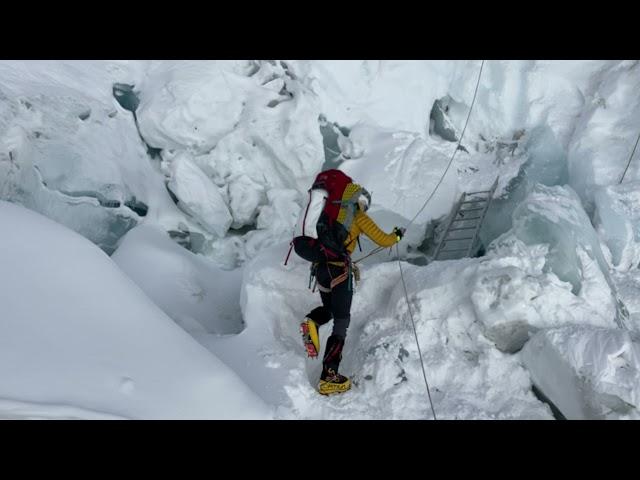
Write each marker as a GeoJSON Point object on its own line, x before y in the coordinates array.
{"type": "Point", "coordinates": [330, 380]}
{"type": "Point", "coordinates": [310, 337]}
{"type": "Point", "coordinates": [333, 382]}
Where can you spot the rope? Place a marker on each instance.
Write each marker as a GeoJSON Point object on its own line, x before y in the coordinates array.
{"type": "Point", "coordinates": [415, 333]}
{"type": "Point", "coordinates": [404, 285]}
{"type": "Point", "coordinates": [373, 252]}
{"type": "Point", "coordinates": [629, 162]}
{"type": "Point", "coordinates": [475, 93]}
{"type": "Point", "coordinates": [464, 129]}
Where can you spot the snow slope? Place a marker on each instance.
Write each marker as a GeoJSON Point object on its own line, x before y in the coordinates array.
{"type": "Point", "coordinates": [77, 335]}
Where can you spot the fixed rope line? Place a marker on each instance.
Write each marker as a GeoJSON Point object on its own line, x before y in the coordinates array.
{"type": "Point", "coordinates": [415, 333]}
{"type": "Point", "coordinates": [475, 93]}
{"type": "Point", "coordinates": [404, 285]}
{"type": "Point", "coordinates": [629, 162]}
{"type": "Point", "coordinates": [464, 129]}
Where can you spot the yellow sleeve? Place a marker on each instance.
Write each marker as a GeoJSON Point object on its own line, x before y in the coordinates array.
{"type": "Point", "coordinates": [371, 230]}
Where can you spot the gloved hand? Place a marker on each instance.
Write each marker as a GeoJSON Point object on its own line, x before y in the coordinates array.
{"type": "Point", "coordinates": [399, 232]}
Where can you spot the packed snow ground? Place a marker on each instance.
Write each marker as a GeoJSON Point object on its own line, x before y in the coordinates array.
{"type": "Point", "coordinates": [198, 192]}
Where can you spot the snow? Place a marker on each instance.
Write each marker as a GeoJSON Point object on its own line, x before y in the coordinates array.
{"type": "Point", "coordinates": [389, 93]}
{"type": "Point", "coordinates": [206, 302]}
{"type": "Point", "coordinates": [79, 335]}
{"type": "Point", "coordinates": [618, 221]}
{"type": "Point", "coordinates": [472, 316]}
{"type": "Point", "coordinates": [198, 197]}
{"type": "Point", "coordinates": [191, 105]}
{"type": "Point", "coordinates": [84, 172]}
{"type": "Point", "coordinates": [397, 168]}
{"type": "Point", "coordinates": [554, 216]}
{"type": "Point", "coordinates": [515, 295]}
{"type": "Point", "coordinates": [251, 128]}
{"type": "Point", "coordinates": [606, 130]}
{"type": "Point", "coordinates": [237, 129]}
{"type": "Point", "coordinates": [523, 160]}
{"type": "Point", "coordinates": [189, 288]}
{"type": "Point", "coordinates": [219, 155]}
{"type": "Point", "coordinates": [628, 287]}
{"type": "Point", "coordinates": [589, 373]}
{"type": "Point", "coordinates": [469, 377]}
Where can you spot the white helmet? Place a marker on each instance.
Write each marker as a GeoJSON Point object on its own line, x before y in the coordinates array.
{"type": "Point", "coordinates": [364, 200]}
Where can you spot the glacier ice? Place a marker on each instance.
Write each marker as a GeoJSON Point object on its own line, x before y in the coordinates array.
{"type": "Point", "coordinates": [554, 216]}
{"type": "Point", "coordinates": [618, 219]}
{"type": "Point", "coordinates": [515, 294]}
{"type": "Point", "coordinates": [588, 373]}
{"type": "Point", "coordinates": [540, 159]}
{"type": "Point", "coordinates": [605, 130]}
{"type": "Point", "coordinates": [68, 151]}
{"type": "Point", "coordinates": [198, 196]}
{"type": "Point", "coordinates": [250, 128]}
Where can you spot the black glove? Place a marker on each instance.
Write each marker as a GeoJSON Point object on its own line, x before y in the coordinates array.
{"type": "Point", "coordinates": [399, 232]}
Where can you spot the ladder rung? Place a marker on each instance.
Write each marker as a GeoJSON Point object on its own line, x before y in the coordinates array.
{"type": "Point", "coordinates": [483, 191]}
{"type": "Point", "coordinates": [466, 199]}
{"type": "Point", "coordinates": [462, 228]}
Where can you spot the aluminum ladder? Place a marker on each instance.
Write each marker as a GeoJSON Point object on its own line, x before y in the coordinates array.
{"type": "Point", "coordinates": [461, 234]}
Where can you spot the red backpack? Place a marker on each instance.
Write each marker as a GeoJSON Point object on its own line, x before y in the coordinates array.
{"type": "Point", "coordinates": [338, 195]}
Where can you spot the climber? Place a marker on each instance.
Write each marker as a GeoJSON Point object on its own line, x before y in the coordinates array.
{"type": "Point", "coordinates": [334, 275]}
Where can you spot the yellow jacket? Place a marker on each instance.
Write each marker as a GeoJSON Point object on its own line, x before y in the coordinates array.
{"type": "Point", "coordinates": [362, 223]}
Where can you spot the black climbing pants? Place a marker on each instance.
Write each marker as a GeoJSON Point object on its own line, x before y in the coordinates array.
{"type": "Point", "coordinates": [336, 301]}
